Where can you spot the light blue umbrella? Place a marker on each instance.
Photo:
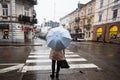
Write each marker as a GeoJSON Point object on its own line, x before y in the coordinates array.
{"type": "Point", "coordinates": [58, 38]}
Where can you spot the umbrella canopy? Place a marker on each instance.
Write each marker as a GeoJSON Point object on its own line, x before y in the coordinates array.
{"type": "Point", "coordinates": [58, 38]}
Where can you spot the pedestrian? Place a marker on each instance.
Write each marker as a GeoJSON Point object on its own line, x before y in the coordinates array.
{"type": "Point", "coordinates": [56, 56]}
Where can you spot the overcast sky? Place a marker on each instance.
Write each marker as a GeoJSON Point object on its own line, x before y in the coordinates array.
{"type": "Point", "coordinates": [55, 9]}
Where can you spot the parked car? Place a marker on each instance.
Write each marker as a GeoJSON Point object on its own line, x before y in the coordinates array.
{"type": "Point", "coordinates": [44, 31]}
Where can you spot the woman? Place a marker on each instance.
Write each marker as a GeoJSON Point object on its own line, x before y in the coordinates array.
{"type": "Point", "coordinates": [56, 56]}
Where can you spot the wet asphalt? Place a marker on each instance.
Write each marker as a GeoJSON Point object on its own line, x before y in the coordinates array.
{"type": "Point", "coordinates": [106, 56]}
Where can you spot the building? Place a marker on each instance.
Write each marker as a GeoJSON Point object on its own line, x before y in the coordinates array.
{"type": "Point", "coordinates": [71, 22]}
{"type": "Point", "coordinates": [107, 21]}
{"type": "Point", "coordinates": [17, 19]}
{"type": "Point", "coordinates": [87, 19]}
{"type": "Point", "coordinates": [52, 24]}
{"type": "Point", "coordinates": [81, 20]}
{"type": "Point", "coordinates": [46, 26]}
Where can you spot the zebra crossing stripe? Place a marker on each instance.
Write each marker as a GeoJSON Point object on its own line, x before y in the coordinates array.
{"type": "Point", "coordinates": [37, 67]}
{"type": "Point", "coordinates": [40, 54]}
{"type": "Point", "coordinates": [72, 56]}
{"type": "Point", "coordinates": [47, 56]}
{"type": "Point", "coordinates": [83, 66]}
{"type": "Point", "coordinates": [49, 53]}
{"type": "Point", "coordinates": [48, 67]}
{"type": "Point", "coordinates": [48, 60]}
{"type": "Point", "coordinates": [75, 59]}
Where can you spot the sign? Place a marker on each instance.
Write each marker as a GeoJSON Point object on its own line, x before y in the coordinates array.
{"type": "Point", "coordinates": [28, 29]}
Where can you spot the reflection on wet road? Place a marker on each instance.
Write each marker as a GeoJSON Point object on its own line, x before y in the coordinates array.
{"type": "Point", "coordinates": [105, 55]}
{"type": "Point", "coordinates": [11, 54]}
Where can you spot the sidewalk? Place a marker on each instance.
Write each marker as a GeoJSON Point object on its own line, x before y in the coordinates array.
{"type": "Point", "coordinates": [33, 43]}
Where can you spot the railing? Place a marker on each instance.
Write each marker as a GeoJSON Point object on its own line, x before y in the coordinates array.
{"type": "Point", "coordinates": [33, 1]}
{"type": "Point", "coordinates": [27, 19]}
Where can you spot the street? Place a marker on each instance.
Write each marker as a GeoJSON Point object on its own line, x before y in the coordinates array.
{"type": "Point", "coordinates": [87, 60]}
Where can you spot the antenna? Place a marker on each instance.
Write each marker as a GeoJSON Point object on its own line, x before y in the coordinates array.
{"type": "Point", "coordinates": [54, 10]}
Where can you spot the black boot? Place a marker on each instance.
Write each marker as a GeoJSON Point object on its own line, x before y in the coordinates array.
{"type": "Point", "coordinates": [53, 69]}
{"type": "Point", "coordinates": [52, 76]}
{"type": "Point", "coordinates": [57, 76]}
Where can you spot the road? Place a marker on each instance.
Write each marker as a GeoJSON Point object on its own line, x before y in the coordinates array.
{"type": "Point", "coordinates": [87, 60]}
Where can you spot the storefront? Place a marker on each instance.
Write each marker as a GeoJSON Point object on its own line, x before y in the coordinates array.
{"type": "Point", "coordinates": [99, 33]}
{"type": "Point", "coordinates": [107, 32]}
{"type": "Point", "coordinates": [4, 31]}
{"type": "Point", "coordinates": [113, 31]}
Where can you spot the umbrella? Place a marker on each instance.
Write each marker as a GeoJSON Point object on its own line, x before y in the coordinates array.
{"type": "Point", "coordinates": [58, 38]}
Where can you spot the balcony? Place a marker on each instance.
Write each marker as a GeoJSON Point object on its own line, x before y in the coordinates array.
{"type": "Point", "coordinates": [33, 1]}
{"type": "Point", "coordinates": [4, 0]}
{"type": "Point", "coordinates": [26, 19]}
{"type": "Point", "coordinates": [77, 19]}
{"type": "Point", "coordinates": [88, 26]}
{"type": "Point", "coordinates": [34, 21]}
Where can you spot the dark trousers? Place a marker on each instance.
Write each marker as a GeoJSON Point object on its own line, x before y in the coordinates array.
{"type": "Point", "coordinates": [53, 67]}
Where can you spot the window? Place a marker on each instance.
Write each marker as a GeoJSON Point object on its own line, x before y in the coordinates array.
{"type": "Point", "coordinates": [82, 14]}
{"type": "Point", "coordinates": [26, 10]}
{"type": "Point", "coordinates": [89, 10]}
{"type": "Point", "coordinates": [81, 23]}
{"type": "Point", "coordinates": [116, 0]}
{"type": "Point", "coordinates": [100, 17]}
{"type": "Point", "coordinates": [113, 32]}
{"type": "Point", "coordinates": [101, 3]}
{"type": "Point", "coordinates": [115, 13]}
{"type": "Point", "coordinates": [5, 9]}
{"type": "Point", "coordinates": [89, 34]}
{"type": "Point", "coordinates": [26, 13]}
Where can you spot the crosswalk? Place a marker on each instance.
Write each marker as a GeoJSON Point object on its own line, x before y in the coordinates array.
{"type": "Point", "coordinates": [39, 60]}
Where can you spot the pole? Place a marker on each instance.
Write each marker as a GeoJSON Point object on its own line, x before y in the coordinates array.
{"type": "Point", "coordinates": [54, 9]}
{"type": "Point", "coordinates": [11, 26]}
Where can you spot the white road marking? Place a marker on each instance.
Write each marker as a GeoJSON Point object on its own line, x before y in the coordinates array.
{"type": "Point", "coordinates": [40, 54]}
{"type": "Point", "coordinates": [83, 66]}
{"type": "Point", "coordinates": [69, 52]}
{"type": "Point", "coordinates": [36, 61]}
{"type": "Point", "coordinates": [2, 64]}
{"type": "Point", "coordinates": [47, 56]}
{"type": "Point", "coordinates": [37, 67]}
{"type": "Point", "coordinates": [8, 69]}
{"type": "Point", "coordinates": [48, 67]}
{"type": "Point", "coordinates": [75, 59]}
{"type": "Point", "coordinates": [48, 60]}
{"type": "Point", "coordinates": [46, 52]}
{"type": "Point", "coordinates": [74, 55]}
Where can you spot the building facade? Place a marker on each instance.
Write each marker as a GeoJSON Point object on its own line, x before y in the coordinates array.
{"type": "Point", "coordinates": [81, 20]}
{"type": "Point", "coordinates": [17, 19]}
{"type": "Point", "coordinates": [52, 24]}
{"type": "Point", "coordinates": [88, 19]}
{"type": "Point", "coordinates": [107, 21]}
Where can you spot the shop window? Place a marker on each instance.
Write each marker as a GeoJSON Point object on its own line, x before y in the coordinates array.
{"type": "Point", "coordinates": [113, 32]}
{"type": "Point", "coordinates": [99, 33]}
{"type": "Point", "coordinates": [5, 33]}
